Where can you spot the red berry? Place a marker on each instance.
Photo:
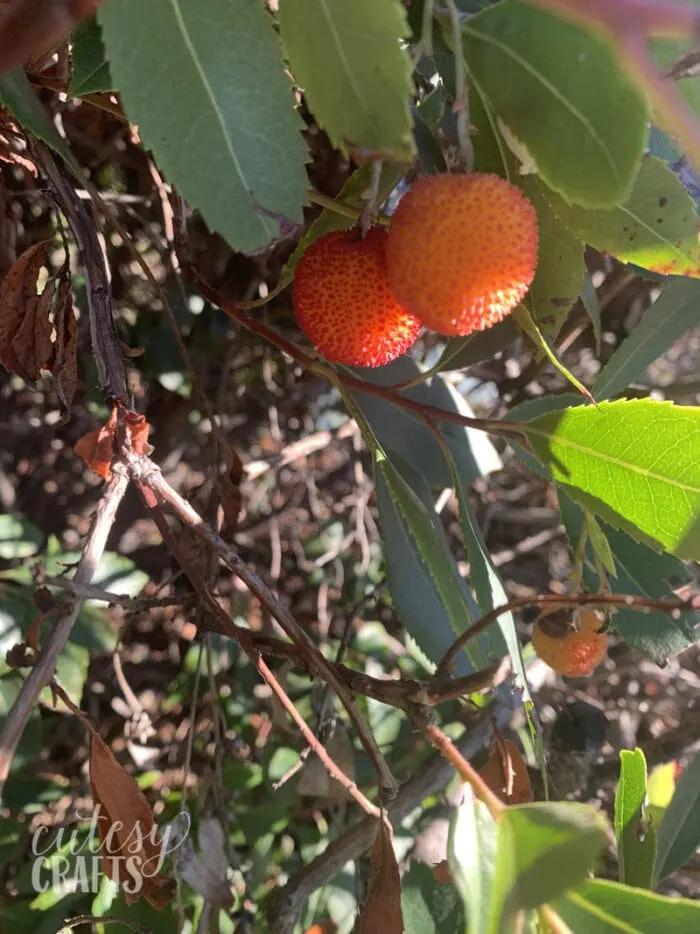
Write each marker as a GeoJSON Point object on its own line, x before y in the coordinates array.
{"type": "Point", "coordinates": [344, 304]}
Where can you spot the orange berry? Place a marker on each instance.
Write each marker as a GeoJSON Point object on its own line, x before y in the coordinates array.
{"type": "Point", "coordinates": [344, 304]}
{"type": "Point", "coordinates": [462, 251]}
{"type": "Point", "coordinates": [575, 653]}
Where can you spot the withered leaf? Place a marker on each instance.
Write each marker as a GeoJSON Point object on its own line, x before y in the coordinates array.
{"type": "Point", "coordinates": [506, 773]}
{"type": "Point", "coordinates": [381, 912]}
{"type": "Point", "coordinates": [65, 365]}
{"type": "Point", "coordinates": [19, 301]}
{"type": "Point", "coordinates": [138, 428]}
{"type": "Point", "coordinates": [130, 848]}
{"type": "Point", "coordinates": [97, 447]}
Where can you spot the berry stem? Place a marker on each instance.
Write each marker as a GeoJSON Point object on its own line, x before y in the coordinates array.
{"type": "Point", "coordinates": [340, 207]}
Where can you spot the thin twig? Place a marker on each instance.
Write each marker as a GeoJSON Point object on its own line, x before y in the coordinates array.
{"type": "Point", "coordinates": [243, 637]}
{"type": "Point", "coordinates": [43, 669]}
{"type": "Point", "coordinates": [674, 605]}
{"type": "Point", "coordinates": [358, 838]}
{"type": "Point", "coordinates": [148, 475]}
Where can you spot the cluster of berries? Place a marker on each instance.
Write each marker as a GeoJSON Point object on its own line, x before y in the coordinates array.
{"type": "Point", "coordinates": [459, 254]}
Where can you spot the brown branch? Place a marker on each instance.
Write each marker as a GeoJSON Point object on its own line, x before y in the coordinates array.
{"type": "Point", "coordinates": [106, 348]}
{"type": "Point", "coordinates": [359, 837]}
{"type": "Point", "coordinates": [43, 669]}
{"type": "Point", "coordinates": [467, 773]}
{"type": "Point", "coordinates": [675, 605]}
{"type": "Point", "coordinates": [154, 490]}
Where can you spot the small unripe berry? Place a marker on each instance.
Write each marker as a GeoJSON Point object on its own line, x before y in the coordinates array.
{"type": "Point", "coordinates": [462, 251]}
{"type": "Point", "coordinates": [573, 652]}
{"type": "Point", "coordinates": [344, 304]}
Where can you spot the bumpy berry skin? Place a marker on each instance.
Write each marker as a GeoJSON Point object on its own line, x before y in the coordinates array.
{"type": "Point", "coordinates": [344, 304]}
{"type": "Point", "coordinates": [462, 251]}
{"type": "Point", "coordinates": [576, 653]}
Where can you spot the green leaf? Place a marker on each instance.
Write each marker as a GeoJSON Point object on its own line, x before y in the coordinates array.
{"type": "Point", "coordinates": [558, 280]}
{"type": "Point", "coordinates": [655, 228]}
{"type": "Point", "coordinates": [543, 850]}
{"type": "Point", "coordinates": [463, 352]}
{"type": "Point", "coordinates": [562, 93]}
{"type": "Point", "coordinates": [428, 593]}
{"type": "Point", "coordinates": [403, 434]}
{"type": "Point", "coordinates": [641, 571]}
{"type": "Point", "coordinates": [679, 834]}
{"type": "Point", "coordinates": [527, 324]}
{"type": "Point", "coordinates": [19, 538]}
{"type": "Point", "coordinates": [661, 785]}
{"type": "Point", "coordinates": [634, 463]}
{"type": "Point", "coordinates": [636, 836]}
{"type": "Point", "coordinates": [671, 315]}
{"type": "Point", "coordinates": [356, 78]}
{"type": "Point", "coordinates": [17, 94]}
{"type": "Point", "coordinates": [90, 66]}
{"type": "Point", "coordinates": [602, 907]}
{"type": "Point", "coordinates": [427, 906]}
{"type": "Point", "coordinates": [592, 306]}
{"type": "Point", "coordinates": [332, 220]}
{"type": "Point", "coordinates": [233, 143]}
{"type": "Point", "coordinates": [484, 577]}
{"type": "Point", "coordinates": [472, 846]}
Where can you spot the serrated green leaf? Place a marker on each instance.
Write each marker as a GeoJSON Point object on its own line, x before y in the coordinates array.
{"type": "Point", "coordinates": [602, 907]}
{"type": "Point", "coordinates": [429, 595]}
{"type": "Point", "coordinates": [472, 847]}
{"type": "Point", "coordinates": [655, 228]}
{"type": "Point", "coordinates": [484, 577]}
{"type": "Point", "coordinates": [641, 571]}
{"type": "Point", "coordinates": [90, 73]}
{"type": "Point", "coordinates": [543, 850]}
{"type": "Point", "coordinates": [356, 78]}
{"type": "Point", "coordinates": [562, 93]}
{"type": "Point", "coordinates": [679, 834]}
{"type": "Point", "coordinates": [231, 140]}
{"type": "Point", "coordinates": [17, 94]}
{"type": "Point", "coordinates": [558, 279]}
{"type": "Point", "coordinates": [634, 463]}
{"type": "Point", "coordinates": [675, 311]}
{"type": "Point", "coordinates": [636, 837]}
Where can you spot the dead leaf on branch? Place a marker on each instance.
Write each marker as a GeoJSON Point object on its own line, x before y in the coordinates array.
{"type": "Point", "coordinates": [381, 912]}
{"type": "Point", "coordinates": [98, 448]}
{"type": "Point", "coordinates": [506, 772]}
{"type": "Point", "coordinates": [130, 848]}
{"type": "Point", "coordinates": [38, 331]}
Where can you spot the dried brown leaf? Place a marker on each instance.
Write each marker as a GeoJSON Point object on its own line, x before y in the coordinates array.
{"type": "Point", "coordinates": [97, 447]}
{"type": "Point", "coordinates": [506, 773]}
{"type": "Point", "coordinates": [18, 300]}
{"type": "Point", "coordinates": [130, 847]}
{"type": "Point", "coordinates": [381, 912]}
{"type": "Point", "coordinates": [31, 342]}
